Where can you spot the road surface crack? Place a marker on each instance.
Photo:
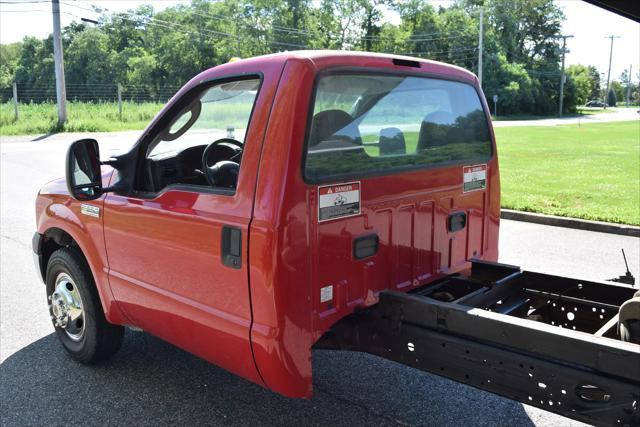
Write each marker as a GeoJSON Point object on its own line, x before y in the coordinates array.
{"type": "Point", "coordinates": [361, 406]}
{"type": "Point", "coordinates": [13, 239]}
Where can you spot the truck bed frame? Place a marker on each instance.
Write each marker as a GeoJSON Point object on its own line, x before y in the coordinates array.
{"type": "Point", "coordinates": [547, 341]}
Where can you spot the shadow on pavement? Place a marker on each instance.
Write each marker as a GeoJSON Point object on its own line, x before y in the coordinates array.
{"type": "Point", "coordinates": [152, 382]}
{"type": "Point", "coordinates": [45, 136]}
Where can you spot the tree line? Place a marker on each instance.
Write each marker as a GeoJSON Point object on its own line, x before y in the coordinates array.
{"type": "Point", "coordinates": [154, 53]}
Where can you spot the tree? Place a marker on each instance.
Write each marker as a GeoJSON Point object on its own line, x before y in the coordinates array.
{"type": "Point", "coordinates": [372, 21]}
{"type": "Point", "coordinates": [89, 60]}
{"type": "Point", "coordinates": [149, 50]}
{"type": "Point", "coordinates": [611, 98]}
{"type": "Point", "coordinates": [34, 70]}
{"type": "Point", "coordinates": [421, 21]}
{"type": "Point", "coordinates": [512, 84]}
{"type": "Point", "coordinates": [619, 91]}
{"type": "Point", "coordinates": [527, 30]}
{"type": "Point", "coordinates": [291, 23]}
{"type": "Point", "coordinates": [9, 57]}
{"type": "Point", "coordinates": [594, 76]}
{"type": "Point", "coordinates": [582, 83]}
{"type": "Point", "coordinates": [140, 70]}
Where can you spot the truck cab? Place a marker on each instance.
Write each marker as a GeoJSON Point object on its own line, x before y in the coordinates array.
{"type": "Point", "coordinates": [272, 203]}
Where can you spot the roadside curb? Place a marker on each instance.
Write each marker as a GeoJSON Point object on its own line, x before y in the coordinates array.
{"type": "Point", "coordinates": [580, 224]}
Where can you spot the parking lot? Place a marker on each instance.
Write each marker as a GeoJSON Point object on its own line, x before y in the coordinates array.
{"type": "Point", "coordinates": [150, 382]}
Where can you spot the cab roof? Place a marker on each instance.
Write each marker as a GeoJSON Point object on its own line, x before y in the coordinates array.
{"type": "Point", "coordinates": [334, 58]}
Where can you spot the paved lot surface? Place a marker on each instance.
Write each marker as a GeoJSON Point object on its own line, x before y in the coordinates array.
{"type": "Point", "coordinates": [150, 382]}
{"type": "Point", "coordinates": [619, 115]}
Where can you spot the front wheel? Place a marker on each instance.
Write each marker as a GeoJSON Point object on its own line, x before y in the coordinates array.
{"type": "Point", "coordinates": [75, 309]}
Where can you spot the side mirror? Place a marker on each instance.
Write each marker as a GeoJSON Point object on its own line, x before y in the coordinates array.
{"type": "Point", "coordinates": [84, 178]}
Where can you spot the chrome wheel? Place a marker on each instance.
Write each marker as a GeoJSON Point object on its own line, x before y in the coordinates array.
{"type": "Point", "coordinates": [65, 307]}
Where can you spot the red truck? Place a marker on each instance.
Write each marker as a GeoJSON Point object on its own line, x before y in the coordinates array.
{"type": "Point", "coordinates": [326, 200]}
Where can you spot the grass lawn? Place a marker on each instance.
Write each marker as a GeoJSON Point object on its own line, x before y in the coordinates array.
{"type": "Point", "coordinates": [590, 172]}
{"type": "Point", "coordinates": [104, 117]}
{"type": "Point", "coordinates": [83, 117]}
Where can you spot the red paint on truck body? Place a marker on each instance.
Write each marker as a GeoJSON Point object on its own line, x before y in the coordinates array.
{"type": "Point", "coordinates": [157, 262]}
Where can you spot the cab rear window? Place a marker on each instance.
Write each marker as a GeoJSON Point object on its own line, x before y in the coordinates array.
{"type": "Point", "coordinates": [366, 124]}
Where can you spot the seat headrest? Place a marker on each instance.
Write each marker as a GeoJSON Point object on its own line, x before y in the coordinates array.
{"type": "Point", "coordinates": [329, 122]}
{"type": "Point", "coordinates": [434, 130]}
{"type": "Point", "coordinates": [391, 141]}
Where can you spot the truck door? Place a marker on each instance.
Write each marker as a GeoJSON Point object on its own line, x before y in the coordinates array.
{"type": "Point", "coordinates": [177, 246]}
{"type": "Point", "coordinates": [400, 168]}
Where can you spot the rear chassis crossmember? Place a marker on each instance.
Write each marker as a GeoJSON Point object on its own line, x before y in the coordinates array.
{"type": "Point", "coordinates": [547, 341]}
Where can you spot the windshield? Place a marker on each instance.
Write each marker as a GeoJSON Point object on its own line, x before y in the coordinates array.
{"type": "Point", "coordinates": [366, 124]}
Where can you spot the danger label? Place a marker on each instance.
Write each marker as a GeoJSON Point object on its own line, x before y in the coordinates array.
{"type": "Point", "coordinates": [474, 178]}
{"type": "Point", "coordinates": [338, 201]}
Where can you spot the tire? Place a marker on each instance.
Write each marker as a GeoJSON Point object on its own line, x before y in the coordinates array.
{"type": "Point", "coordinates": [630, 331]}
{"type": "Point", "coordinates": [76, 311]}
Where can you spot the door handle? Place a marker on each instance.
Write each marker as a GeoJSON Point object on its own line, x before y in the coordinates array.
{"type": "Point", "coordinates": [231, 251]}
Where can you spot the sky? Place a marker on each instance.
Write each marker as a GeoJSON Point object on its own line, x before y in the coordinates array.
{"type": "Point", "coordinates": [590, 26]}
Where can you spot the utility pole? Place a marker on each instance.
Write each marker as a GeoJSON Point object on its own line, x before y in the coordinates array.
{"type": "Point", "coordinates": [629, 85]}
{"type": "Point", "coordinates": [606, 94]}
{"type": "Point", "coordinates": [119, 88]}
{"type": "Point", "coordinates": [15, 101]}
{"type": "Point", "coordinates": [61, 93]}
{"type": "Point", "coordinates": [564, 50]}
{"type": "Point", "coordinates": [480, 40]}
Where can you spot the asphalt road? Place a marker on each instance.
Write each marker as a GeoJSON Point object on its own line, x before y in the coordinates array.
{"type": "Point", "coordinates": [616, 115]}
{"type": "Point", "coordinates": [150, 382]}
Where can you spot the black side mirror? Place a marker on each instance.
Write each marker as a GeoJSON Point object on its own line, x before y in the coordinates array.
{"type": "Point", "coordinates": [84, 178]}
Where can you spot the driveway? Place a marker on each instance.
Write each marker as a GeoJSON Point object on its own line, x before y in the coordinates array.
{"type": "Point", "coordinates": [618, 115]}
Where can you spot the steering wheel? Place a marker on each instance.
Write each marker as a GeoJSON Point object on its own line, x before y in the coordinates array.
{"type": "Point", "coordinates": [224, 172]}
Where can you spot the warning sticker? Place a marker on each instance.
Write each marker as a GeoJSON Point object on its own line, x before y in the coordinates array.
{"type": "Point", "coordinates": [337, 201]}
{"type": "Point", "coordinates": [475, 178]}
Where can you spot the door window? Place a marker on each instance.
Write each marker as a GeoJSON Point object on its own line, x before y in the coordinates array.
{"type": "Point", "coordinates": [214, 122]}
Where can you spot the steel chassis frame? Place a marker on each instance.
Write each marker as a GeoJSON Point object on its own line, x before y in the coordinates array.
{"type": "Point", "coordinates": [497, 336]}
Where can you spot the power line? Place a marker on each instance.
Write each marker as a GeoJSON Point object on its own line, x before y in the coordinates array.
{"type": "Point", "coordinates": [25, 11]}
{"type": "Point", "coordinates": [288, 30]}
{"type": "Point", "coordinates": [24, 2]}
{"type": "Point", "coordinates": [444, 53]}
{"type": "Point", "coordinates": [415, 38]}
{"type": "Point", "coordinates": [411, 39]}
{"type": "Point", "coordinates": [173, 25]}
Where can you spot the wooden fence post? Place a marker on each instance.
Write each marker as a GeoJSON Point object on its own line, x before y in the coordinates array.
{"type": "Point", "coordinates": [120, 101]}
{"type": "Point", "coordinates": [15, 100]}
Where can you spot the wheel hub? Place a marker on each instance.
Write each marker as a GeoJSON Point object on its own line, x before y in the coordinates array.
{"type": "Point", "coordinates": [66, 309]}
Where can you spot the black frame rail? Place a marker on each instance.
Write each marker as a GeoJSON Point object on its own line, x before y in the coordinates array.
{"type": "Point", "coordinates": [509, 332]}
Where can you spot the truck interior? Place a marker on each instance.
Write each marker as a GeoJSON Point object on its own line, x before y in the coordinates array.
{"type": "Point", "coordinates": [366, 122]}
{"type": "Point", "coordinates": [201, 145]}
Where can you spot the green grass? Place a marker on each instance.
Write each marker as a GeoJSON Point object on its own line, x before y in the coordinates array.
{"type": "Point", "coordinates": [590, 171]}
{"type": "Point", "coordinates": [82, 117]}
{"type": "Point", "coordinates": [104, 117]}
